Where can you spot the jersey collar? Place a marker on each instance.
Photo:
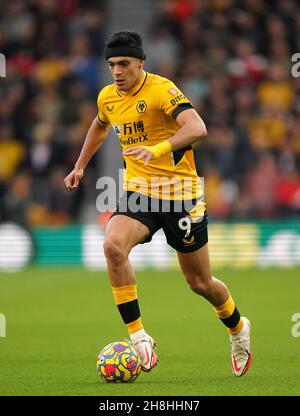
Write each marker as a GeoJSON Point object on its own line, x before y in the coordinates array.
{"type": "Point", "coordinates": [133, 91]}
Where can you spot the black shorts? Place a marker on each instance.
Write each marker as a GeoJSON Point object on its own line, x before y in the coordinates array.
{"type": "Point", "coordinates": [183, 233]}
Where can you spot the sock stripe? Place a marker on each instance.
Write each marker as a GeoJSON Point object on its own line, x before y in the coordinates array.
{"type": "Point", "coordinates": [127, 303]}
{"type": "Point", "coordinates": [232, 320]}
{"type": "Point", "coordinates": [124, 294]}
{"type": "Point", "coordinates": [237, 328]}
{"type": "Point", "coordinates": [229, 315]}
{"type": "Point", "coordinates": [135, 326]}
{"type": "Point", "coordinates": [129, 311]}
{"type": "Point", "coordinates": [225, 310]}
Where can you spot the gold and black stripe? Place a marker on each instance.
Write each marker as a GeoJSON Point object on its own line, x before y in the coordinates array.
{"type": "Point", "coordinates": [232, 320]}
{"type": "Point", "coordinates": [129, 311]}
{"type": "Point", "coordinates": [127, 302]}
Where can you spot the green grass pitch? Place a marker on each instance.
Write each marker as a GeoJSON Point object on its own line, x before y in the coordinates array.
{"type": "Point", "coordinates": [58, 319]}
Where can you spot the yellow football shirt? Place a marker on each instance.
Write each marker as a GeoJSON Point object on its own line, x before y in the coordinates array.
{"type": "Point", "coordinates": [145, 116]}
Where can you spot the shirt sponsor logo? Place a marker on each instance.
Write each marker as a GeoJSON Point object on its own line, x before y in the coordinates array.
{"type": "Point", "coordinates": [117, 129]}
{"type": "Point", "coordinates": [177, 99]}
{"type": "Point", "coordinates": [132, 128]}
{"type": "Point", "coordinates": [134, 140]}
{"type": "Point", "coordinates": [172, 91]}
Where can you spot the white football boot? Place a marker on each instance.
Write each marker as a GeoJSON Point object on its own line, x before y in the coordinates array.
{"type": "Point", "coordinates": [241, 355]}
{"type": "Point", "coordinates": [145, 348]}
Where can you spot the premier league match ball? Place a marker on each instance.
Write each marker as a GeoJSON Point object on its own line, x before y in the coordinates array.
{"type": "Point", "coordinates": [119, 362]}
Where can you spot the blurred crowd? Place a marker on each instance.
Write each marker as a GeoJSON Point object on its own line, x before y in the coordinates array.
{"type": "Point", "coordinates": [48, 101]}
{"type": "Point", "coordinates": [232, 58]}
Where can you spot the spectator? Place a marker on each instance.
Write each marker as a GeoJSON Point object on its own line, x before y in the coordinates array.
{"type": "Point", "coordinates": [262, 184]}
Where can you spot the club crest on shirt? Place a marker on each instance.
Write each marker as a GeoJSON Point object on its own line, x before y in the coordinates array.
{"type": "Point", "coordinates": [141, 107]}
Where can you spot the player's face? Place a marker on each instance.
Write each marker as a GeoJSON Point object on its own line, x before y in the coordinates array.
{"type": "Point", "coordinates": [126, 71]}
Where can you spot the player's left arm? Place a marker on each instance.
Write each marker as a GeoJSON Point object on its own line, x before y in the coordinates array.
{"type": "Point", "coordinates": [191, 130]}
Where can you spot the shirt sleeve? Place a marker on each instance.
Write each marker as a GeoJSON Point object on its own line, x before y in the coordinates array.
{"type": "Point", "coordinates": [102, 118]}
{"type": "Point", "coordinates": [171, 100]}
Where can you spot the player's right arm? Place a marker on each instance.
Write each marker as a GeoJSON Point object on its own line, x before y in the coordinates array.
{"type": "Point", "coordinates": [95, 137]}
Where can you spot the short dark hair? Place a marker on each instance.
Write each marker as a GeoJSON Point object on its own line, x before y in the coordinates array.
{"type": "Point", "coordinates": [125, 43]}
{"type": "Point", "coordinates": [125, 38]}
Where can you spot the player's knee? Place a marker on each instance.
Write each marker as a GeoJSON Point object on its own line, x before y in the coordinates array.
{"type": "Point", "coordinates": [114, 250]}
{"type": "Point", "coordinates": [200, 285]}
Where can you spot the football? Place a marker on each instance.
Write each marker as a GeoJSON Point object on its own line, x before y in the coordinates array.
{"type": "Point", "coordinates": [119, 362]}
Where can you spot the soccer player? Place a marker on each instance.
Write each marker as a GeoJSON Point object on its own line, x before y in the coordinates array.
{"type": "Point", "coordinates": [156, 126]}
